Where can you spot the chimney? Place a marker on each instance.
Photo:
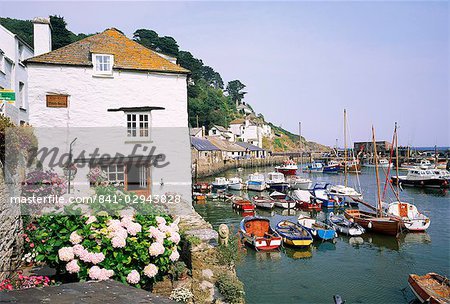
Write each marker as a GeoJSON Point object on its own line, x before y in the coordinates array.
{"type": "Point", "coordinates": [42, 35]}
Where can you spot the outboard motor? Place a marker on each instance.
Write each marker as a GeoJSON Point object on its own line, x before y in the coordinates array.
{"type": "Point", "coordinates": [338, 300]}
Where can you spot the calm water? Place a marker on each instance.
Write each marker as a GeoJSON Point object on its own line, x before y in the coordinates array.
{"type": "Point", "coordinates": [368, 269]}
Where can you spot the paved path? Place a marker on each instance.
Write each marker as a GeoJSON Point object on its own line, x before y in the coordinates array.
{"type": "Point", "coordinates": [88, 292]}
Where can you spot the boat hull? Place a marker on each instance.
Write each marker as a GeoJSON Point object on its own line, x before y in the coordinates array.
{"type": "Point", "coordinates": [256, 186]}
{"type": "Point", "coordinates": [293, 234]}
{"type": "Point", "coordinates": [257, 233]}
{"type": "Point", "coordinates": [431, 288]}
{"type": "Point", "coordinates": [286, 171]}
{"type": "Point", "coordinates": [309, 206]}
{"type": "Point", "coordinates": [280, 187]}
{"type": "Point", "coordinates": [372, 223]}
{"type": "Point", "coordinates": [331, 169]}
{"type": "Point", "coordinates": [285, 204]}
{"type": "Point", "coordinates": [237, 186]}
{"type": "Point", "coordinates": [427, 183]}
{"type": "Point", "coordinates": [300, 185]}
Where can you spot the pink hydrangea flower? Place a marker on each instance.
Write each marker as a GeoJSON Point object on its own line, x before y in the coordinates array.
{"type": "Point", "coordinates": [97, 273]}
{"type": "Point", "coordinates": [151, 270]}
{"type": "Point", "coordinates": [73, 267]}
{"type": "Point", "coordinates": [160, 220]}
{"type": "Point", "coordinates": [134, 228]}
{"type": "Point", "coordinates": [174, 256]}
{"type": "Point", "coordinates": [118, 242]}
{"type": "Point", "coordinates": [120, 232]}
{"type": "Point", "coordinates": [129, 212]}
{"type": "Point", "coordinates": [75, 238]}
{"type": "Point", "coordinates": [96, 258]}
{"type": "Point", "coordinates": [175, 237]}
{"type": "Point", "coordinates": [157, 234]}
{"type": "Point", "coordinates": [156, 249]}
{"type": "Point", "coordinates": [163, 228]}
{"type": "Point", "coordinates": [66, 254]}
{"type": "Point", "coordinates": [133, 277]}
{"type": "Point", "coordinates": [78, 249]}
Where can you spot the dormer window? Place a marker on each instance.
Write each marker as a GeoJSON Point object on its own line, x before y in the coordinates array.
{"type": "Point", "coordinates": [103, 64]}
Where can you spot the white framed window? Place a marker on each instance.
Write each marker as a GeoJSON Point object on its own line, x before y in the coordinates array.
{"type": "Point", "coordinates": [103, 64]}
{"type": "Point", "coordinates": [2, 64]}
{"type": "Point", "coordinates": [114, 173]}
{"type": "Point", "coordinates": [138, 125]}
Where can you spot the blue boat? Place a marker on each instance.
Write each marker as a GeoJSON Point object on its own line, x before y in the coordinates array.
{"type": "Point", "coordinates": [321, 194]}
{"type": "Point", "coordinates": [315, 167]}
{"type": "Point", "coordinates": [294, 234]}
{"type": "Point", "coordinates": [332, 167]}
{"type": "Point", "coordinates": [318, 230]}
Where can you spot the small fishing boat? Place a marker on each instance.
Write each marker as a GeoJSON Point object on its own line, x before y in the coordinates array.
{"type": "Point", "coordinates": [315, 167]}
{"type": "Point", "coordinates": [299, 183]}
{"type": "Point", "coordinates": [256, 231]}
{"type": "Point", "coordinates": [344, 226]}
{"type": "Point", "coordinates": [421, 178]}
{"type": "Point", "coordinates": [235, 183]}
{"type": "Point", "coordinates": [277, 195]}
{"type": "Point", "coordinates": [201, 187]}
{"type": "Point", "coordinates": [294, 234]}
{"type": "Point", "coordinates": [256, 182]}
{"type": "Point", "coordinates": [317, 229]}
{"type": "Point", "coordinates": [263, 202]}
{"type": "Point", "coordinates": [425, 164]}
{"type": "Point", "coordinates": [243, 205]}
{"type": "Point", "coordinates": [343, 194]}
{"type": "Point", "coordinates": [321, 195]}
{"type": "Point", "coordinates": [431, 288]}
{"type": "Point", "coordinates": [212, 196]}
{"type": "Point", "coordinates": [198, 196]}
{"type": "Point", "coordinates": [332, 167]}
{"type": "Point", "coordinates": [305, 200]}
{"type": "Point", "coordinates": [287, 168]}
{"type": "Point", "coordinates": [276, 181]}
{"type": "Point", "coordinates": [382, 163]}
{"type": "Point", "coordinates": [372, 222]}
{"type": "Point", "coordinates": [285, 203]}
{"type": "Point", "coordinates": [219, 183]}
{"type": "Point", "coordinates": [410, 217]}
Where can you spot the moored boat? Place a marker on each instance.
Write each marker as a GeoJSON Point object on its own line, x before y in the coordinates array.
{"type": "Point", "coordinates": [332, 167]}
{"type": "Point", "coordinates": [244, 205]}
{"type": "Point", "coordinates": [410, 217]}
{"type": "Point", "coordinates": [235, 183]}
{"type": "Point", "coordinates": [219, 183]}
{"type": "Point", "coordinates": [421, 178]}
{"type": "Point", "coordinates": [294, 234]}
{"type": "Point", "coordinates": [321, 195]}
{"type": "Point", "coordinates": [256, 231]}
{"type": "Point", "coordinates": [276, 181]}
{"type": "Point", "coordinates": [317, 229]}
{"type": "Point", "coordinates": [299, 183]}
{"type": "Point", "coordinates": [382, 163]}
{"type": "Point", "coordinates": [343, 194]}
{"type": "Point", "coordinates": [256, 182]}
{"type": "Point", "coordinates": [372, 222]}
{"type": "Point", "coordinates": [285, 203]}
{"type": "Point", "coordinates": [287, 168]}
{"type": "Point", "coordinates": [314, 167]}
{"type": "Point", "coordinates": [431, 288]}
{"type": "Point", "coordinates": [263, 202]}
{"type": "Point", "coordinates": [305, 200]}
{"type": "Point", "coordinates": [202, 187]}
{"type": "Point", "coordinates": [344, 226]}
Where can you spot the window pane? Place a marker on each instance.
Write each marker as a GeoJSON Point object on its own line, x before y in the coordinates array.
{"type": "Point", "coordinates": [112, 168]}
{"type": "Point", "coordinates": [120, 177]}
{"type": "Point", "coordinates": [112, 176]}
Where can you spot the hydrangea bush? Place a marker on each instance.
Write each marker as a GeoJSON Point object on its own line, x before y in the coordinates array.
{"type": "Point", "coordinates": [121, 244]}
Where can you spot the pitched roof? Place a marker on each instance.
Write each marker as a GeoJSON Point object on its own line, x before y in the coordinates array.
{"type": "Point", "coordinates": [203, 144]}
{"type": "Point", "coordinates": [225, 145]}
{"type": "Point", "coordinates": [220, 128]}
{"type": "Point", "coordinates": [128, 54]}
{"type": "Point", "coordinates": [237, 121]}
{"type": "Point", "coordinates": [249, 147]}
{"type": "Point", "coordinates": [195, 131]}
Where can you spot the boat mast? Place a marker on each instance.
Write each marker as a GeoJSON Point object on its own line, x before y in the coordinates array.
{"type": "Point", "coordinates": [301, 145]}
{"type": "Point", "coordinates": [375, 159]}
{"type": "Point", "coordinates": [345, 148]}
{"type": "Point", "coordinates": [396, 159]}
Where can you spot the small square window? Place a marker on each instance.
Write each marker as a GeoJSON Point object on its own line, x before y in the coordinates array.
{"type": "Point", "coordinates": [138, 125]}
{"type": "Point", "coordinates": [103, 64]}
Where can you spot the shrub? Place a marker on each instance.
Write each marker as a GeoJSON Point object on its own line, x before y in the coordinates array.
{"type": "Point", "coordinates": [23, 282]}
{"type": "Point", "coordinates": [179, 270]}
{"type": "Point", "coordinates": [231, 254]}
{"type": "Point", "coordinates": [230, 288]}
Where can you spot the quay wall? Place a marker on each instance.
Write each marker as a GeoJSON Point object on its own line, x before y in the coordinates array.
{"type": "Point", "coordinates": [203, 168]}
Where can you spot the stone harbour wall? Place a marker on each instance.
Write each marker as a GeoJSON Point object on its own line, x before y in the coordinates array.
{"type": "Point", "coordinates": [10, 232]}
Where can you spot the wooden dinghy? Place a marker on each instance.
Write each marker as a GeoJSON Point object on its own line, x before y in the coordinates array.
{"type": "Point", "coordinates": [318, 230]}
{"type": "Point", "coordinates": [293, 234]}
{"type": "Point", "coordinates": [263, 202]}
{"type": "Point", "coordinates": [256, 231]}
{"type": "Point", "coordinates": [373, 223]}
{"type": "Point", "coordinates": [243, 205]}
{"type": "Point", "coordinates": [431, 288]}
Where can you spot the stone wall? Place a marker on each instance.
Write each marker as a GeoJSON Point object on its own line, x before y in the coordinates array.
{"type": "Point", "coordinates": [202, 169]}
{"type": "Point", "coordinates": [10, 232]}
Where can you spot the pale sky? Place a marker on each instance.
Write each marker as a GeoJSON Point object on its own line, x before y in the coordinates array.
{"type": "Point", "coordinates": [304, 61]}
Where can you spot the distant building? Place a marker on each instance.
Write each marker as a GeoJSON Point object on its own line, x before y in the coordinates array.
{"type": "Point", "coordinates": [197, 132]}
{"type": "Point", "coordinates": [383, 147]}
{"type": "Point", "coordinates": [250, 131]}
{"type": "Point", "coordinates": [229, 150]}
{"type": "Point", "coordinates": [13, 76]}
{"type": "Point", "coordinates": [252, 151]}
{"type": "Point", "coordinates": [221, 132]}
{"type": "Point", "coordinates": [204, 150]}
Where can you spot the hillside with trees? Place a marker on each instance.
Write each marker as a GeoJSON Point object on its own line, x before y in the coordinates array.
{"type": "Point", "coordinates": [210, 101]}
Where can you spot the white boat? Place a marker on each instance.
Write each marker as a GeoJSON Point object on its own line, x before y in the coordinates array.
{"type": "Point", "coordinates": [285, 203]}
{"type": "Point", "coordinates": [421, 178]}
{"type": "Point", "coordinates": [442, 174]}
{"type": "Point", "coordinates": [256, 182]}
{"type": "Point", "coordinates": [382, 163]}
{"type": "Point", "coordinates": [287, 168]}
{"type": "Point", "coordinates": [220, 183]}
{"type": "Point", "coordinates": [411, 218]}
{"type": "Point", "coordinates": [276, 181]}
{"type": "Point", "coordinates": [342, 193]}
{"type": "Point", "coordinates": [235, 183]}
{"type": "Point", "coordinates": [299, 183]}
{"type": "Point", "coordinates": [263, 202]}
{"type": "Point", "coordinates": [425, 164]}
{"type": "Point", "coordinates": [344, 226]}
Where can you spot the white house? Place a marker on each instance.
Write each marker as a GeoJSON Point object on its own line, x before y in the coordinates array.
{"type": "Point", "coordinates": [13, 76]}
{"type": "Point", "coordinates": [221, 132]}
{"type": "Point", "coordinates": [111, 93]}
{"type": "Point", "coordinates": [250, 132]}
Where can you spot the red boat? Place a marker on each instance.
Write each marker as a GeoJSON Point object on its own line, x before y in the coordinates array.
{"type": "Point", "coordinates": [256, 231]}
{"type": "Point", "coordinates": [304, 200]}
{"type": "Point", "coordinates": [431, 288]}
{"type": "Point", "coordinates": [243, 205]}
{"type": "Point", "coordinates": [287, 168]}
{"type": "Point", "coordinates": [202, 187]}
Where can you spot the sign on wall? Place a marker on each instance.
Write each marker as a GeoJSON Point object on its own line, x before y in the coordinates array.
{"type": "Point", "coordinates": [7, 96]}
{"type": "Point", "coordinates": [57, 101]}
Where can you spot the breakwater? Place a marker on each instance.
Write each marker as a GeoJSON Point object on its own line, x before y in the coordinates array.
{"type": "Point", "coordinates": [203, 168]}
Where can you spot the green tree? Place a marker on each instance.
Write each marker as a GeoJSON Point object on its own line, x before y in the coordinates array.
{"type": "Point", "coordinates": [149, 38]}
{"type": "Point", "coordinates": [234, 89]}
{"type": "Point", "coordinates": [188, 61]}
{"type": "Point", "coordinates": [61, 36]}
{"type": "Point", "coordinates": [212, 77]}
{"type": "Point", "coordinates": [22, 28]}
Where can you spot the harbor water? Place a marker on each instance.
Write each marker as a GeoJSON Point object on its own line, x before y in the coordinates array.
{"type": "Point", "coordinates": [369, 269]}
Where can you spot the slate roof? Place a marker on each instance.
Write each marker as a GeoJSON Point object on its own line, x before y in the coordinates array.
{"type": "Point", "coordinates": [203, 144]}
{"type": "Point", "coordinates": [249, 147]}
{"type": "Point", "coordinates": [128, 54]}
{"type": "Point", "coordinates": [225, 145]}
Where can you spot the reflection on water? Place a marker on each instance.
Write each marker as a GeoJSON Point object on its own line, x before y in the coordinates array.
{"type": "Point", "coordinates": [370, 268]}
